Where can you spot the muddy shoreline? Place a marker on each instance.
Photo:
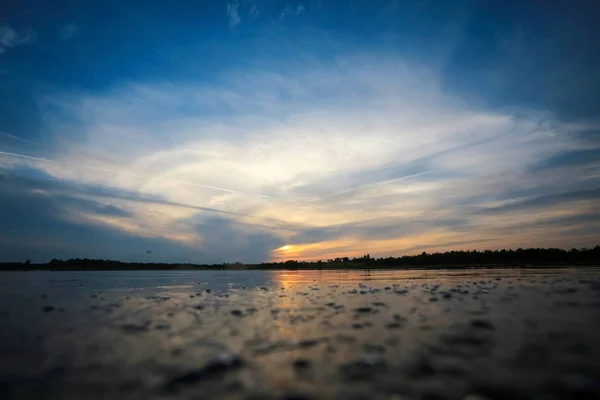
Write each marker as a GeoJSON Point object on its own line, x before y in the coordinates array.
{"type": "Point", "coordinates": [469, 334]}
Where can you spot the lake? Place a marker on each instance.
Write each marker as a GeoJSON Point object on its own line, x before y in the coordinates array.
{"type": "Point", "coordinates": [373, 334]}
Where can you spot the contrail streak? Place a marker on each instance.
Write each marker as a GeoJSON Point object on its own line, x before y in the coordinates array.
{"type": "Point", "coordinates": [205, 186]}
{"type": "Point", "coordinates": [367, 185]}
{"type": "Point", "coordinates": [117, 172]}
{"type": "Point", "coordinates": [4, 153]}
{"type": "Point", "coordinates": [17, 138]}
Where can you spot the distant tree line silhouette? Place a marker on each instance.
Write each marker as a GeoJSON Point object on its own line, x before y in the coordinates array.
{"type": "Point", "coordinates": [510, 257]}
{"type": "Point", "coordinates": [450, 259]}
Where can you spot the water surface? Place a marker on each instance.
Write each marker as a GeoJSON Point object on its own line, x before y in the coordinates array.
{"type": "Point", "coordinates": [497, 334]}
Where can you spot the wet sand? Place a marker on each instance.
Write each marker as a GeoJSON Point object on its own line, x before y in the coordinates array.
{"type": "Point", "coordinates": [473, 334]}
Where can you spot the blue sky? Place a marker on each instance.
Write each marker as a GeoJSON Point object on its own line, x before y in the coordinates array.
{"type": "Point", "coordinates": [217, 131]}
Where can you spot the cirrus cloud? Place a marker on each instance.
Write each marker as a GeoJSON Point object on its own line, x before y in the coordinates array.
{"type": "Point", "coordinates": [377, 158]}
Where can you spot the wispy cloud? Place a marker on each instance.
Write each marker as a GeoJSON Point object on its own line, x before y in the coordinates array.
{"type": "Point", "coordinates": [293, 11]}
{"type": "Point", "coordinates": [233, 14]}
{"type": "Point", "coordinates": [376, 158]}
{"type": "Point", "coordinates": [45, 222]}
{"type": "Point", "coordinates": [366, 133]}
{"type": "Point", "coordinates": [254, 9]}
{"type": "Point", "coordinates": [10, 38]}
{"type": "Point", "coordinates": [425, 172]}
{"type": "Point", "coordinates": [68, 31]}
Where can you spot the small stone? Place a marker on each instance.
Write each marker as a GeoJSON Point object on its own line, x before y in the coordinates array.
{"type": "Point", "coordinates": [374, 359]}
{"type": "Point", "coordinates": [365, 369]}
{"type": "Point", "coordinates": [482, 324]}
{"type": "Point", "coordinates": [215, 367]}
{"type": "Point", "coordinates": [208, 290]}
{"type": "Point", "coordinates": [308, 343]}
{"type": "Point", "coordinates": [301, 363]}
{"type": "Point", "coordinates": [236, 313]}
{"type": "Point", "coordinates": [48, 309]}
{"type": "Point", "coordinates": [132, 328]}
{"type": "Point", "coordinates": [364, 309]}
{"type": "Point", "coordinates": [475, 397]}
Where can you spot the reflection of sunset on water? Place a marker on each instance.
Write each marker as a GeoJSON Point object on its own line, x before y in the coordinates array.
{"type": "Point", "coordinates": [293, 279]}
{"type": "Point", "coordinates": [331, 322]}
{"type": "Point", "coordinates": [290, 279]}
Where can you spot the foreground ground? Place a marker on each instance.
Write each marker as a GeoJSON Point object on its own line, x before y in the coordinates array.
{"type": "Point", "coordinates": [492, 334]}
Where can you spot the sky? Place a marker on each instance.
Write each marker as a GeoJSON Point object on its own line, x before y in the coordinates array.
{"type": "Point", "coordinates": [266, 130]}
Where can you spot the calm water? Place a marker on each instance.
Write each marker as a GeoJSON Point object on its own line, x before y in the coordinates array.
{"type": "Point", "coordinates": [497, 334]}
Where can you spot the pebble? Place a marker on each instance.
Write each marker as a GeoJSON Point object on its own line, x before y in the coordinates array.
{"type": "Point", "coordinates": [301, 363]}
{"type": "Point", "coordinates": [214, 367]}
{"type": "Point", "coordinates": [482, 324]}
{"type": "Point", "coordinates": [364, 369]}
{"type": "Point", "coordinates": [48, 309]}
{"type": "Point", "coordinates": [132, 328]}
{"type": "Point", "coordinates": [308, 343]}
{"type": "Point", "coordinates": [475, 397]}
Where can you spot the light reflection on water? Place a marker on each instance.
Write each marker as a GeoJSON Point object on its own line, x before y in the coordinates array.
{"type": "Point", "coordinates": [19, 281]}
{"type": "Point", "coordinates": [110, 328]}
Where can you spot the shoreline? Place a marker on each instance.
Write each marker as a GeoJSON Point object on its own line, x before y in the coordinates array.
{"type": "Point", "coordinates": [183, 267]}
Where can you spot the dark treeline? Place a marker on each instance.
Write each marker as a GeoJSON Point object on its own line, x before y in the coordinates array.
{"type": "Point", "coordinates": [518, 257]}
{"type": "Point", "coordinates": [99, 264]}
{"type": "Point", "coordinates": [450, 259]}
